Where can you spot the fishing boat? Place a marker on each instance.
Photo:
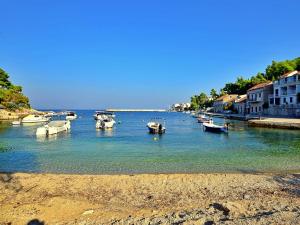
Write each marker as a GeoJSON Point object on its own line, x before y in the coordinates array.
{"type": "Point", "coordinates": [100, 115]}
{"type": "Point", "coordinates": [156, 126]}
{"type": "Point", "coordinates": [54, 127]}
{"type": "Point", "coordinates": [35, 119]}
{"type": "Point", "coordinates": [211, 127]}
{"type": "Point", "coordinates": [71, 116]}
{"type": "Point", "coordinates": [203, 119]}
{"type": "Point", "coordinates": [107, 123]}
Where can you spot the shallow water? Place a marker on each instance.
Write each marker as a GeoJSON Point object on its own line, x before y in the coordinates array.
{"type": "Point", "coordinates": [128, 148]}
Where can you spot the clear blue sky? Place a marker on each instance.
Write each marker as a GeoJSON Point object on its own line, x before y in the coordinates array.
{"type": "Point", "coordinates": [145, 54]}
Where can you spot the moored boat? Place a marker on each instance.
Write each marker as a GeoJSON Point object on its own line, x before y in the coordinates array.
{"type": "Point", "coordinates": [203, 119]}
{"type": "Point", "coordinates": [71, 116]}
{"type": "Point", "coordinates": [211, 127]}
{"type": "Point", "coordinates": [107, 123]}
{"type": "Point", "coordinates": [16, 123]}
{"type": "Point", "coordinates": [100, 115]}
{"type": "Point", "coordinates": [156, 127]}
{"type": "Point", "coordinates": [54, 127]}
{"type": "Point", "coordinates": [35, 119]}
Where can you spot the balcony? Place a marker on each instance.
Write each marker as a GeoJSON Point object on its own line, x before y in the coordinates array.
{"type": "Point", "coordinates": [291, 92]}
{"type": "Point", "coordinates": [283, 92]}
{"type": "Point", "coordinates": [254, 100]}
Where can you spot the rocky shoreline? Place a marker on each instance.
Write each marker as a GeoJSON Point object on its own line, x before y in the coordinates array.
{"type": "Point", "coordinates": [15, 115]}
{"type": "Point", "coordinates": [150, 199]}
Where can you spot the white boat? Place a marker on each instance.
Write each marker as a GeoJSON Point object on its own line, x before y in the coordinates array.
{"type": "Point", "coordinates": [35, 119]}
{"type": "Point", "coordinates": [16, 123]}
{"type": "Point", "coordinates": [156, 126]}
{"type": "Point", "coordinates": [215, 128]}
{"type": "Point", "coordinates": [50, 114]}
{"type": "Point", "coordinates": [107, 123]}
{"type": "Point", "coordinates": [71, 116]}
{"type": "Point", "coordinates": [101, 115]}
{"type": "Point", "coordinates": [54, 127]}
{"type": "Point", "coordinates": [204, 119]}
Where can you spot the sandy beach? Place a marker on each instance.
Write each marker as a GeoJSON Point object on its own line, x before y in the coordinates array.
{"type": "Point", "coordinates": [150, 199]}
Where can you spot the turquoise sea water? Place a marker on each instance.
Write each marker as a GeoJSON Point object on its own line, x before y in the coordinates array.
{"type": "Point", "coordinates": [128, 148]}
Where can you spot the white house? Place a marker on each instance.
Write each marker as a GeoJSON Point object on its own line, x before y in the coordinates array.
{"type": "Point", "coordinates": [286, 97]}
{"type": "Point", "coordinates": [257, 98]}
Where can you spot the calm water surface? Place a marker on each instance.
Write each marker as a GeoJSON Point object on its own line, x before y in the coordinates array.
{"type": "Point", "coordinates": [128, 148]}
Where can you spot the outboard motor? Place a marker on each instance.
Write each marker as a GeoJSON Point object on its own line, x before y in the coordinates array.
{"type": "Point", "coordinates": [160, 128]}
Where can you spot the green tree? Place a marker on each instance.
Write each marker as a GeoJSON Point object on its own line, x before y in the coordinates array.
{"type": "Point", "coordinates": [259, 78]}
{"type": "Point", "coordinates": [297, 64]}
{"type": "Point", "coordinates": [4, 82]}
{"type": "Point", "coordinates": [11, 95]}
{"type": "Point", "coordinates": [277, 69]}
{"type": "Point", "coordinates": [214, 94]}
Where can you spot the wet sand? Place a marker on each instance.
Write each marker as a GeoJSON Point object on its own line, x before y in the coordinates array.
{"type": "Point", "coordinates": [150, 199]}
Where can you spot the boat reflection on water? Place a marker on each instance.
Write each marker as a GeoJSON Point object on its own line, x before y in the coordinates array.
{"type": "Point", "coordinates": [53, 137]}
{"type": "Point", "coordinates": [105, 132]}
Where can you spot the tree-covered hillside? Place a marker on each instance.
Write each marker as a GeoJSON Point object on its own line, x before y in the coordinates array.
{"type": "Point", "coordinates": [272, 72]}
{"type": "Point", "coordinates": [11, 96]}
{"type": "Point", "coordinates": [241, 85]}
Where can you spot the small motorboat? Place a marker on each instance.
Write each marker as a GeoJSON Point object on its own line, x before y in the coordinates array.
{"type": "Point", "coordinates": [35, 119]}
{"type": "Point", "coordinates": [100, 115]}
{"type": "Point", "coordinates": [71, 116]}
{"type": "Point", "coordinates": [54, 127]}
{"type": "Point", "coordinates": [50, 114]}
{"type": "Point", "coordinates": [16, 123]}
{"type": "Point", "coordinates": [156, 127]}
{"type": "Point", "coordinates": [107, 123]}
{"type": "Point", "coordinates": [211, 127]}
{"type": "Point", "coordinates": [203, 119]}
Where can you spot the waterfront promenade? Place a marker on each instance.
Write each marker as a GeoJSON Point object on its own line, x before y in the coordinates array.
{"type": "Point", "coordinates": [284, 123]}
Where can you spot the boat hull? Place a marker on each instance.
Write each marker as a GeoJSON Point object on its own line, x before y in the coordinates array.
{"type": "Point", "coordinates": [53, 127]}
{"type": "Point", "coordinates": [156, 131]}
{"type": "Point", "coordinates": [214, 128]}
{"type": "Point", "coordinates": [35, 121]}
{"type": "Point", "coordinates": [71, 117]}
{"type": "Point", "coordinates": [105, 124]}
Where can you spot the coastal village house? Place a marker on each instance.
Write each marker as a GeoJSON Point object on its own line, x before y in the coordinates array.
{"type": "Point", "coordinates": [223, 101]}
{"type": "Point", "coordinates": [240, 104]}
{"type": "Point", "coordinates": [258, 98]}
{"type": "Point", "coordinates": [285, 101]}
{"type": "Point", "coordinates": [180, 107]}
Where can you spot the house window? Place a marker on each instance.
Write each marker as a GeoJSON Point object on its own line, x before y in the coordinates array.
{"type": "Point", "coordinates": [299, 77]}
{"type": "Point", "coordinates": [277, 101]}
{"type": "Point", "coordinates": [291, 99]}
{"type": "Point", "coordinates": [276, 92]}
{"type": "Point", "coordinates": [285, 80]}
{"type": "Point", "coordinates": [256, 109]}
{"type": "Point", "coordinates": [251, 109]}
{"type": "Point", "coordinates": [259, 95]}
{"type": "Point", "coordinates": [259, 108]}
{"type": "Point", "coordinates": [284, 100]}
{"type": "Point", "coordinates": [271, 101]}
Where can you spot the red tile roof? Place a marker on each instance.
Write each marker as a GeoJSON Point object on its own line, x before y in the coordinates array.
{"type": "Point", "coordinates": [261, 85]}
{"type": "Point", "coordinates": [241, 98]}
{"type": "Point", "coordinates": [230, 97]}
{"type": "Point", "coordinates": [288, 74]}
